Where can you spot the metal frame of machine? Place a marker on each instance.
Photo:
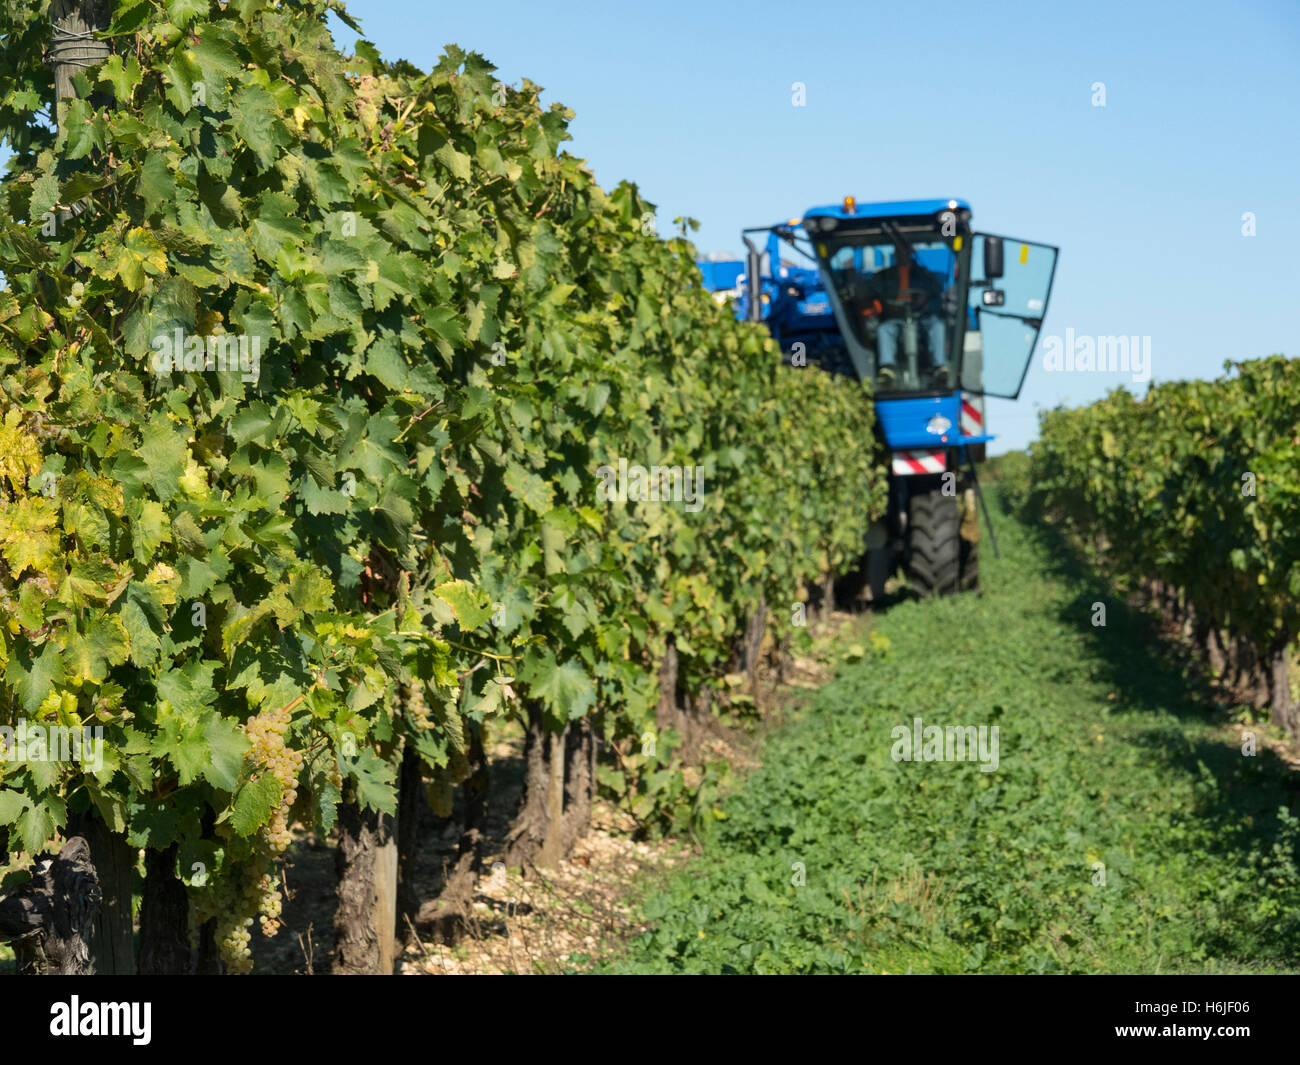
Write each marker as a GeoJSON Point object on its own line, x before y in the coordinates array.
{"type": "Point", "coordinates": [930, 430]}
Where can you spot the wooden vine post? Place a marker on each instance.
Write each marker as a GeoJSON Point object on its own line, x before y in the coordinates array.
{"type": "Point", "coordinates": [386, 899]}
{"type": "Point", "coordinates": [49, 920]}
{"type": "Point", "coordinates": [114, 861]}
{"type": "Point", "coordinates": [365, 923]}
{"type": "Point", "coordinates": [74, 47]}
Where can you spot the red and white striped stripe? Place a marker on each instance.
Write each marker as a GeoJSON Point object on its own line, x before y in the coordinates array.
{"type": "Point", "coordinates": [908, 462]}
{"type": "Point", "coordinates": [972, 415]}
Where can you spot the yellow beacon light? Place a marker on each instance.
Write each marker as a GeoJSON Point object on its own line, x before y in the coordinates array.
{"type": "Point", "coordinates": [850, 205]}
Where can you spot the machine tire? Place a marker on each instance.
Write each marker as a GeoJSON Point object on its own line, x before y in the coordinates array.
{"type": "Point", "coordinates": [935, 543]}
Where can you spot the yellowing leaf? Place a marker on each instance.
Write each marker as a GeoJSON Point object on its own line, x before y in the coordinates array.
{"type": "Point", "coordinates": [29, 535]}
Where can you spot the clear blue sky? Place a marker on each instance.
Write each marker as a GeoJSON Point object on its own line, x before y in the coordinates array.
{"type": "Point", "coordinates": [991, 102]}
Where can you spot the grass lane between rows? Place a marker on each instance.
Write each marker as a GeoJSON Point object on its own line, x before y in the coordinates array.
{"type": "Point", "coordinates": [1109, 762]}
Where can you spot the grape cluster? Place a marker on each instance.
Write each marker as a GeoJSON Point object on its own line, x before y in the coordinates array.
{"type": "Point", "coordinates": [270, 752]}
{"type": "Point", "coordinates": [233, 900]}
{"type": "Point", "coordinates": [269, 905]}
{"type": "Point", "coordinates": [415, 705]}
{"type": "Point", "coordinates": [232, 940]}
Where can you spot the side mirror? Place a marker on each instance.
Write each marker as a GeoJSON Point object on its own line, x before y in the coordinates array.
{"type": "Point", "coordinates": [992, 258]}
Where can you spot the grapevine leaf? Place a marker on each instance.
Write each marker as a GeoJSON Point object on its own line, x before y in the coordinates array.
{"type": "Point", "coordinates": [183, 12]}
{"type": "Point", "coordinates": [256, 119]}
{"type": "Point", "coordinates": [374, 782]}
{"type": "Point", "coordinates": [36, 827]}
{"type": "Point", "coordinates": [565, 687]}
{"type": "Point", "coordinates": [33, 678]}
{"type": "Point", "coordinates": [469, 604]}
{"type": "Point", "coordinates": [163, 452]}
{"type": "Point", "coordinates": [12, 803]}
{"type": "Point", "coordinates": [532, 491]}
{"type": "Point", "coordinates": [254, 804]}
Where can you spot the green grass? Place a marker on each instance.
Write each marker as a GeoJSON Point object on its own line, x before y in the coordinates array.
{"type": "Point", "coordinates": [1108, 753]}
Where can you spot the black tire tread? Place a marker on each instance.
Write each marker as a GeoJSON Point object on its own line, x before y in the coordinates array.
{"type": "Point", "coordinates": [934, 567]}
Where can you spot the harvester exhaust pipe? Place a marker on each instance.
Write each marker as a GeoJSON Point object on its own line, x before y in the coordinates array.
{"type": "Point", "coordinates": [753, 265]}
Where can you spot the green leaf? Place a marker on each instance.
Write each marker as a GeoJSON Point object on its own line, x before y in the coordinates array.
{"type": "Point", "coordinates": [45, 194]}
{"type": "Point", "coordinates": [179, 76]}
{"type": "Point", "coordinates": [36, 827]}
{"type": "Point", "coordinates": [123, 76]}
{"type": "Point", "coordinates": [163, 451]}
{"type": "Point", "coordinates": [256, 119]}
{"type": "Point", "coordinates": [384, 360]}
{"type": "Point", "coordinates": [532, 491]}
{"type": "Point", "coordinates": [128, 17]}
{"type": "Point", "coordinates": [138, 257]}
{"type": "Point", "coordinates": [183, 12]}
{"type": "Point", "coordinates": [253, 422]}
{"type": "Point", "coordinates": [145, 645]}
{"type": "Point", "coordinates": [12, 803]}
{"type": "Point", "coordinates": [277, 225]}
{"type": "Point", "coordinates": [33, 679]}
{"type": "Point", "coordinates": [28, 248]}
{"type": "Point", "coordinates": [89, 657]}
{"type": "Point", "coordinates": [78, 129]}
{"type": "Point", "coordinates": [457, 162]}
{"type": "Point", "coordinates": [375, 781]}
{"type": "Point", "coordinates": [156, 183]}
{"type": "Point", "coordinates": [189, 689]}
{"type": "Point", "coordinates": [495, 698]}
{"type": "Point", "coordinates": [184, 747]}
{"type": "Point", "coordinates": [322, 500]}
{"type": "Point", "coordinates": [153, 825]}
{"type": "Point", "coordinates": [188, 535]}
{"type": "Point", "coordinates": [215, 57]}
{"type": "Point", "coordinates": [325, 797]}
{"type": "Point", "coordinates": [469, 603]}
{"type": "Point", "coordinates": [254, 804]}
{"type": "Point", "coordinates": [149, 529]}
{"type": "Point", "coordinates": [187, 240]}
{"type": "Point", "coordinates": [565, 688]}
{"type": "Point", "coordinates": [80, 185]}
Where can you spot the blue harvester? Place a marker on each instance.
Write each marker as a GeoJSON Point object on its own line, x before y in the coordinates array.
{"type": "Point", "coordinates": [935, 316]}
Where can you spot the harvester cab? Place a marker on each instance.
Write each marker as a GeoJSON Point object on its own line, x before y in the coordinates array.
{"type": "Point", "coordinates": [907, 297]}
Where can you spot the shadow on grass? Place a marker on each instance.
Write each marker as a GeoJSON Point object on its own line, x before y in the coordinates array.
{"type": "Point", "coordinates": [851, 593]}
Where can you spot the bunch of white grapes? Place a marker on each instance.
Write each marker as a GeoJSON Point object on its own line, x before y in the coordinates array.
{"type": "Point", "coordinates": [237, 901]}
{"type": "Point", "coordinates": [233, 939]}
{"type": "Point", "coordinates": [269, 905]}
{"type": "Point", "coordinates": [415, 704]}
{"type": "Point", "coordinates": [284, 763]}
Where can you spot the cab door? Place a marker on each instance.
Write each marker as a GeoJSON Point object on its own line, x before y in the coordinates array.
{"type": "Point", "coordinates": [1010, 283]}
